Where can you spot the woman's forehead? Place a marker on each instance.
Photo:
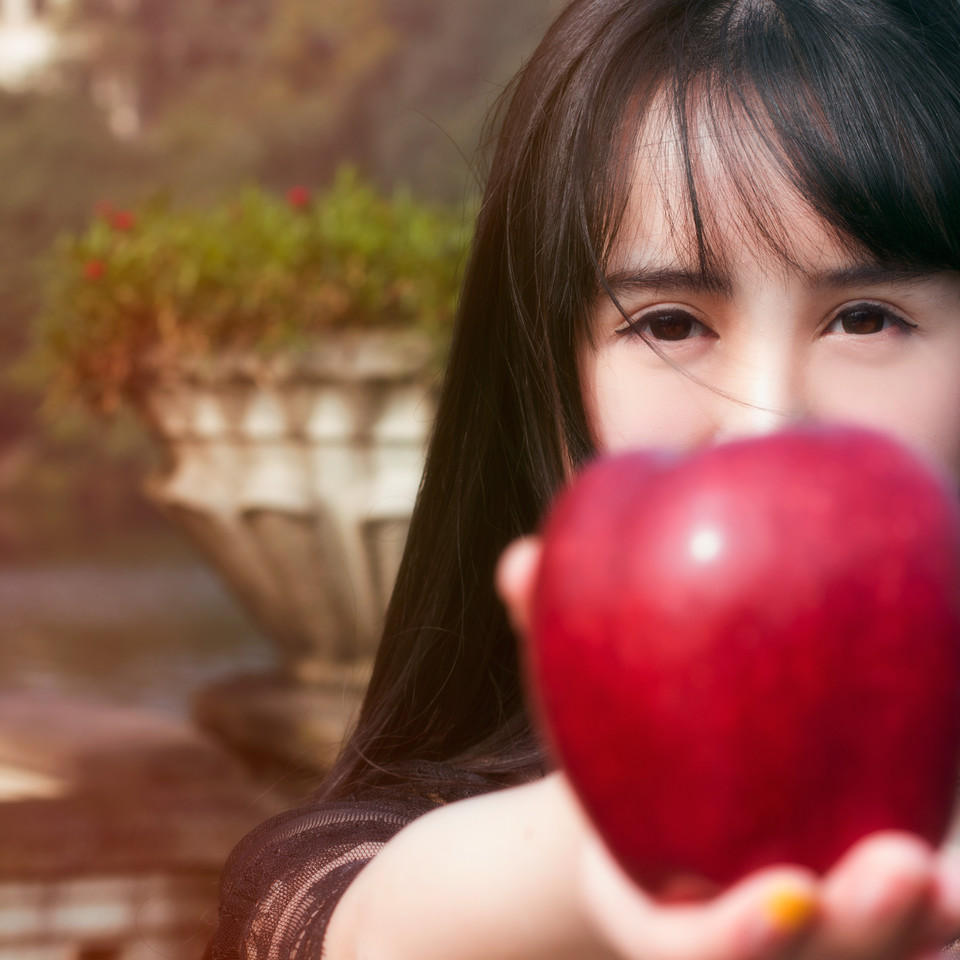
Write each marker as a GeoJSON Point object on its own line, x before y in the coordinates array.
{"type": "Point", "coordinates": [710, 196]}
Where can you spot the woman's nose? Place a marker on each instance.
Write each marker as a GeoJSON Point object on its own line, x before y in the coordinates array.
{"type": "Point", "coordinates": [762, 394]}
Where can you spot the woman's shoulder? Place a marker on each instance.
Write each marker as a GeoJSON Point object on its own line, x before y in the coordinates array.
{"type": "Point", "coordinates": [282, 881]}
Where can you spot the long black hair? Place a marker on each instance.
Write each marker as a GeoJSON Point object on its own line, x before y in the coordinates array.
{"type": "Point", "coordinates": [854, 103]}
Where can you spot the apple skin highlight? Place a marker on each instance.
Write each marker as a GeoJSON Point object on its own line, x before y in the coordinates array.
{"type": "Point", "coordinates": [750, 655]}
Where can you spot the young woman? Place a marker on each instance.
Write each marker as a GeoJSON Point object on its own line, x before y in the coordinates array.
{"type": "Point", "coordinates": [704, 218]}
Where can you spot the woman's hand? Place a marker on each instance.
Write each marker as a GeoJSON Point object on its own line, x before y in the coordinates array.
{"type": "Point", "coordinates": [890, 897]}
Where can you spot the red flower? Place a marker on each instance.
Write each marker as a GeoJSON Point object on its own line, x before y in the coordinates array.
{"type": "Point", "coordinates": [123, 220]}
{"type": "Point", "coordinates": [94, 269]}
{"type": "Point", "coordinates": [299, 197]}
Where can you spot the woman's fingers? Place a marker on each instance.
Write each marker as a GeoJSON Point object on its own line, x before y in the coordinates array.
{"type": "Point", "coordinates": [877, 901]}
{"type": "Point", "coordinates": [943, 924]}
{"type": "Point", "coordinates": [759, 918]}
{"type": "Point", "coordinates": [515, 574]}
{"type": "Point", "coordinates": [889, 897]}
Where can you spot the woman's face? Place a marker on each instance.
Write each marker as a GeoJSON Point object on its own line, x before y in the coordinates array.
{"type": "Point", "coordinates": [764, 342]}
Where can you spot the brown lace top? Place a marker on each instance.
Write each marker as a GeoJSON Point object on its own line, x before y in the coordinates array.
{"type": "Point", "coordinates": [281, 883]}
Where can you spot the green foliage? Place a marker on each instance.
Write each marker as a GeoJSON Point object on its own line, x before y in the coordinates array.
{"type": "Point", "coordinates": [257, 272]}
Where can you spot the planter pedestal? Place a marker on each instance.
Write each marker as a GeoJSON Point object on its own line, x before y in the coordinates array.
{"type": "Point", "coordinates": [296, 478]}
{"type": "Point", "coordinates": [287, 733]}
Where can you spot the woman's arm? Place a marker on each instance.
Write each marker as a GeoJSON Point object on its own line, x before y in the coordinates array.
{"type": "Point", "coordinates": [505, 877]}
{"type": "Point", "coordinates": [492, 877]}
{"type": "Point", "coordinates": [519, 875]}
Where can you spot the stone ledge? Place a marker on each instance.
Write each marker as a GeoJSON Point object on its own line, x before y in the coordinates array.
{"type": "Point", "coordinates": [90, 744]}
{"type": "Point", "coordinates": [136, 793]}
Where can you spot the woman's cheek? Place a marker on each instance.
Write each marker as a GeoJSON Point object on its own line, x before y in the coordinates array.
{"type": "Point", "coordinates": [916, 400]}
{"type": "Point", "coordinates": [630, 405]}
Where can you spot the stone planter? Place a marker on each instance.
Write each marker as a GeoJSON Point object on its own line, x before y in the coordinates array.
{"type": "Point", "coordinates": [296, 478]}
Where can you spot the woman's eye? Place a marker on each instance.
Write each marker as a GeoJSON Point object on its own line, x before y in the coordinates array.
{"type": "Point", "coordinates": [669, 325]}
{"type": "Point", "coordinates": [867, 318]}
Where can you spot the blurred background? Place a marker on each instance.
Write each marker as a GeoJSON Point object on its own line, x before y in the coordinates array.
{"type": "Point", "coordinates": [115, 812]}
{"type": "Point", "coordinates": [108, 102]}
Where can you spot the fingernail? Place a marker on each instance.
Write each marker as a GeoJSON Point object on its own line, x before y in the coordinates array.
{"type": "Point", "coordinates": [789, 909]}
{"type": "Point", "coordinates": [783, 913]}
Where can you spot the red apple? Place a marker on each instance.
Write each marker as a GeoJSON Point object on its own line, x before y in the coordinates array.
{"type": "Point", "coordinates": [751, 654]}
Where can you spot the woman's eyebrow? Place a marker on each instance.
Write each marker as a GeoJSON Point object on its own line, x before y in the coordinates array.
{"type": "Point", "coordinates": [867, 274]}
{"type": "Point", "coordinates": [639, 278]}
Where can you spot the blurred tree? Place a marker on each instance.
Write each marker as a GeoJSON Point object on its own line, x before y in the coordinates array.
{"type": "Point", "coordinates": [225, 91]}
{"type": "Point", "coordinates": [282, 90]}
{"type": "Point", "coordinates": [454, 58]}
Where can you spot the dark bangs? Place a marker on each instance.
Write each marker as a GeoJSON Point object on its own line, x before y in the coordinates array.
{"type": "Point", "coordinates": [858, 103]}
{"type": "Point", "coordinates": [853, 105]}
